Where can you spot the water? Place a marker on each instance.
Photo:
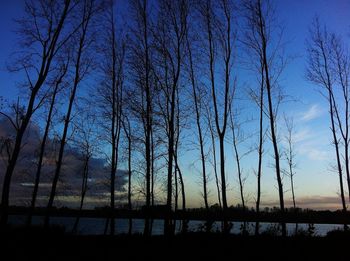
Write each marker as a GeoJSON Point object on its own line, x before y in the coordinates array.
{"type": "Point", "coordinates": [96, 226]}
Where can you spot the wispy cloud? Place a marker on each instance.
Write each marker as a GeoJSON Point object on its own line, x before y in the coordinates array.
{"type": "Point", "coordinates": [316, 202]}
{"type": "Point", "coordinates": [312, 144]}
{"type": "Point", "coordinates": [302, 135]}
{"type": "Point", "coordinates": [314, 152]}
{"type": "Point", "coordinates": [315, 111]}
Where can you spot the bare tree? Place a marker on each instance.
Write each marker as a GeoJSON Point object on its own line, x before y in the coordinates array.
{"type": "Point", "coordinates": [259, 17]}
{"type": "Point", "coordinates": [197, 101]}
{"type": "Point", "coordinates": [319, 72]}
{"type": "Point", "coordinates": [259, 100]}
{"type": "Point", "coordinates": [86, 141]}
{"type": "Point", "coordinates": [290, 158]}
{"type": "Point", "coordinates": [237, 156]}
{"type": "Point", "coordinates": [42, 34]}
{"type": "Point", "coordinates": [213, 146]}
{"type": "Point", "coordinates": [176, 153]}
{"type": "Point", "coordinates": [341, 69]}
{"type": "Point", "coordinates": [128, 133]}
{"type": "Point", "coordinates": [58, 81]}
{"type": "Point", "coordinates": [82, 63]}
{"type": "Point", "coordinates": [141, 68]}
{"type": "Point", "coordinates": [170, 46]}
{"type": "Point", "coordinates": [290, 154]}
{"type": "Point", "coordinates": [111, 97]}
{"type": "Point", "coordinates": [217, 17]}
{"type": "Point", "coordinates": [254, 51]}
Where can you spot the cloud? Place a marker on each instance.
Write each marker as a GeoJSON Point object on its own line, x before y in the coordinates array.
{"type": "Point", "coordinates": [316, 154]}
{"type": "Point", "coordinates": [70, 180]}
{"type": "Point", "coordinates": [315, 111]}
{"type": "Point", "coordinates": [316, 202]}
{"type": "Point", "coordinates": [313, 152]}
{"type": "Point", "coordinates": [313, 144]}
{"type": "Point", "coordinates": [302, 135]}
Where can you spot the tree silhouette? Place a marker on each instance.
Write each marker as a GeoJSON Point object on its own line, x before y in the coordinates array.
{"type": "Point", "coordinates": [259, 16]}
{"type": "Point", "coordinates": [198, 100]}
{"type": "Point", "coordinates": [44, 30]}
{"type": "Point", "coordinates": [217, 20]}
{"type": "Point", "coordinates": [81, 68]}
{"type": "Point", "coordinates": [319, 72]}
{"type": "Point", "coordinates": [58, 81]}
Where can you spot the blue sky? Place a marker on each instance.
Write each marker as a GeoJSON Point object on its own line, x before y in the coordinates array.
{"type": "Point", "coordinates": [314, 179]}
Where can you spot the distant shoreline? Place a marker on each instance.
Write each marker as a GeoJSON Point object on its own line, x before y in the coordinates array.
{"type": "Point", "coordinates": [234, 214]}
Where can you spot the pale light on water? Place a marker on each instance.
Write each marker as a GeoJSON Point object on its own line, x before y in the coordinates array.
{"type": "Point", "coordinates": [96, 226]}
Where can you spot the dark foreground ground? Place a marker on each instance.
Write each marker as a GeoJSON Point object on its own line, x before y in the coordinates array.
{"type": "Point", "coordinates": [35, 244]}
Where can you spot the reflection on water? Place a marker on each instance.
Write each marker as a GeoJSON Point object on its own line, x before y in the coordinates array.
{"type": "Point", "coordinates": [96, 226]}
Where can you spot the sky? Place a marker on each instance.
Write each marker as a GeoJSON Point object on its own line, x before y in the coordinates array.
{"type": "Point", "coordinates": [315, 183]}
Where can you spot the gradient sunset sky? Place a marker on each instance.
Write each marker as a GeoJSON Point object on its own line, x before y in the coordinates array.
{"type": "Point", "coordinates": [315, 183]}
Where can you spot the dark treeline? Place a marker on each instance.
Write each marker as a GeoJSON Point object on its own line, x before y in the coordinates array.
{"type": "Point", "coordinates": [138, 88]}
{"type": "Point", "coordinates": [233, 214]}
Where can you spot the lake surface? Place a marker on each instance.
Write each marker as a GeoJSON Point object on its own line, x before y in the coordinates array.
{"type": "Point", "coordinates": [96, 226]}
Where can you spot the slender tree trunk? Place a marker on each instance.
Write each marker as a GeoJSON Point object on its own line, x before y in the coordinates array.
{"type": "Point", "coordinates": [114, 173]}
{"type": "Point", "coordinates": [152, 168]}
{"type": "Point", "coordinates": [83, 190]}
{"type": "Point", "coordinates": [10, 168]}
{"type": "Point", "coordinates": [199, 127]}
{"type": "Point", "coordinates": [334, 113]}
{"type": "Point", "coordinates": [182, 184]}
{"type": "Point", "coordinates": [171, 142]}
{"type": "Point", "coordinates": [60, 156]}
{"type": "Point", "coordinates": [346, 149]}
{"type": "Point", "coordinates": [346, 141]}
{"type": "Point", "coordinates": [129, 177]}
{"type": "Point", "coordinates": [152, 174]}
{"type": "Point", "coordinates": [177, 167]}
{"type": "Point", "coordinates": [116, 102]}
{"type": "Point", "coordinates": [292, 185]}
{"type": "Point", "coordinates": [222, 171]}
{"type": "Point", "coordinates": [42, 149]}
{"type": "Point", "coordinates": [260, 152]}
{"type": "Point", "coordinates": [112, 184]}
{"type": "Point", "coordinates": [239, 170]}
{"type": "Point", "coordinates": [272, 117]}
{"type": "Point", "coordinates": [148, 177]}
{"type": "Point", "coordinates": [176, 196]}
{"type": "Point", "coordinates": [214, 159]}
{"type": "Point", "coordinates": [205, 190]}
{"type": "Point", "coordinates": [113, 126]}
{"type": "Point", "coordinates": [113, 160]}
{"type": "Point", "coordinates": [291, 172]}
{"type": "Point", "coordinates": [336, 144]}
{"type": "Point", "coordinates": [238, 161]}
{"type": "Point", "coordinates": [183, 196]}
{"type": "Point", "coordinates": [168, 221]}
{"type": "Point", "coordinates": [148, 127]}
